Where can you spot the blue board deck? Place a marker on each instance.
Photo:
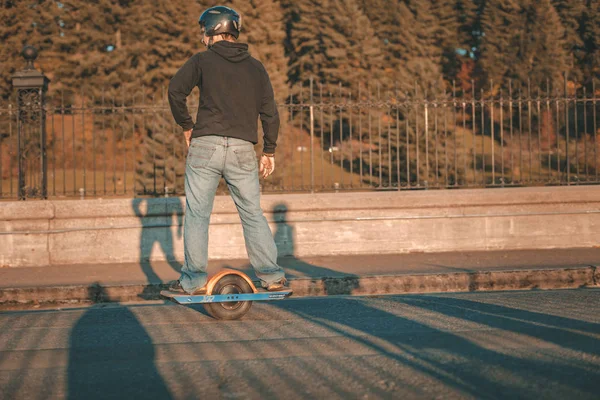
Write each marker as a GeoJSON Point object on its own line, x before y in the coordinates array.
{"type": "Point", "coordinates": [224, 298]}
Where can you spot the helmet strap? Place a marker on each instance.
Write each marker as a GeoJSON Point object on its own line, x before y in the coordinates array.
{"type": "Point", "coordinates": [210, 41]}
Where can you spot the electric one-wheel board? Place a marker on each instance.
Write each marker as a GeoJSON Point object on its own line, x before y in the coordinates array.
{"type": "Point", "coordinates": [229, 295]}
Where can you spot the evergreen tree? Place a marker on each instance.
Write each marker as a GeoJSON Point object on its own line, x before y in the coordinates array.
{"type": "Point", "coordinates": [382, 15]}
{"type": "Point", "coordinates": [305, 24]}
{"type": "Point", "coordinates": [37, 23]}
{"type": "Point", "coordinates": [545, 56]}
{"type": "Point", "coordinates": [571, 15]}
{"type": "Point", "coordinates": [385, 19]}
{"type": "Point", "coordinates": [501, 40]}
{"type": "Point", "coordinates": [337, 46]}
{"type": "Point", "coordinates": [73, 39]}
{"type": "Point", "coordinates": [14, 24]}
{"type": "Point", "coordinates": [353, 51]}
{"type": "Point", "coordinates": [426, 49]}
{"type": "Point", "coordinates": [156, 39]}
{"type": "Point", "coordinates": [520, 41]}
{"type": "Point", "coordinates": [411, 42]}
{"type": "Point", "coordinates": [454, 33]}
{"type": "Point", "coordinates": [591, 42]}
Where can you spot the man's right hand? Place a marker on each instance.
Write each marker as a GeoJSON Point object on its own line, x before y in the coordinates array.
{"type": "Point", "coordinates": [188, 137]}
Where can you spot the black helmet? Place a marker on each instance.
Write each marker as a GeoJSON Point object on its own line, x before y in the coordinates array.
{"type": "Point", "coordinates": [220, 19]}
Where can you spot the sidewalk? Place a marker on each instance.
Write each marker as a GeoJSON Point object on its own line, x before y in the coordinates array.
{"type": "Point", "coordinates": [360, 274]}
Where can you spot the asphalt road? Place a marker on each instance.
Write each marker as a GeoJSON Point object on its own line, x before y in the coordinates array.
{"type": "Point", "coordinates": [509, 345]}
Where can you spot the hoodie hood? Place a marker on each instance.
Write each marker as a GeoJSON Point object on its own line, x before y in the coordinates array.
{"type": "Point", "coordinates": [234, 52]}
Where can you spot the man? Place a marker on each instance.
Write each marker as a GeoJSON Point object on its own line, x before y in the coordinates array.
{"type": "Point", "coordinates": [235, 90]}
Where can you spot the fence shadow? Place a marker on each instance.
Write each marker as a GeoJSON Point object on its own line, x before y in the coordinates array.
{"type": "Point", "coordinates": [419, 347]}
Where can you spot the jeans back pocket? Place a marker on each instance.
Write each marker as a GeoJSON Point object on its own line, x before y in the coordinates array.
{"type": "Point", "coordinates": [246, 159]}
{"type": "Point", "coordinates": [200, 156]}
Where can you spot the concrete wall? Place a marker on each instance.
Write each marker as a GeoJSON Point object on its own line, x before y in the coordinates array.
{"type": "Point", "coordinates": [36, 233]}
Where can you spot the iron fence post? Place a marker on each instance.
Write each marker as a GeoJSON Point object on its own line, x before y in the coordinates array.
{"type": "Point", "coordinates": [312, 138]}
{"type": "Point", "coordinates": [31, 86]}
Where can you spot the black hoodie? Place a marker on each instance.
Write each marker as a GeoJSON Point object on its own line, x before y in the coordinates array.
{"type": "Point", "coordinates": [234, 90]}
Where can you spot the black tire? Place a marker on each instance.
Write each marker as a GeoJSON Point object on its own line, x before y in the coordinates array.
{"type": "Point", "coordinates": [230, 284]}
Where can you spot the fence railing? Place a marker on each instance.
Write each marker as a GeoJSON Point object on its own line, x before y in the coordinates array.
{"type": "Point", "coordinates": [331, 139]}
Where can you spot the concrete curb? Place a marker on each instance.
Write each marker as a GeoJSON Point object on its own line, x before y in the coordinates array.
{"type": "Point", "coordinates": [561, 278]}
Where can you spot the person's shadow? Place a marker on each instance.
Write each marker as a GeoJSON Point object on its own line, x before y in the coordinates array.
{"type": "Point", "coordinates": [285, 239]}
{"type": "Point", "coordinates": [111, 356]}
{"type": "Point", "coordinates": [284, 235]}
{"type": "Point", "coordinates": [156, 230]}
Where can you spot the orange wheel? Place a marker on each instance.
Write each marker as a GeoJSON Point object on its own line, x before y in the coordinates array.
{"type": "Point", "coordinates": [230, 284]}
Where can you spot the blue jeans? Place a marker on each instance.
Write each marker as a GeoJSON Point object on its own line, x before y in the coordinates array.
{"type": "Point", "coordinates": [210, 158]}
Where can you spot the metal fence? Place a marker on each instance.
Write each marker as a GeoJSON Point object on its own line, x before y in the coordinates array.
{"type": "Point", "coordinates": [332, 138]}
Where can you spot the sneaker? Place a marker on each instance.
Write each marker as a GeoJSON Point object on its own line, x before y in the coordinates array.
{"type": "Point", "coordinates": [276, 286]}
{"type": "Point", "coordinates": [175, 286]}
